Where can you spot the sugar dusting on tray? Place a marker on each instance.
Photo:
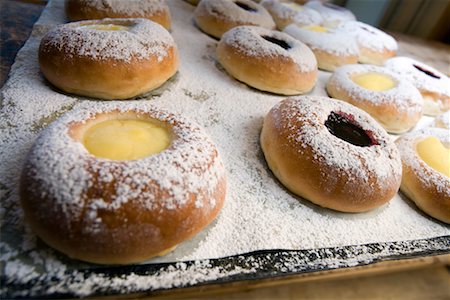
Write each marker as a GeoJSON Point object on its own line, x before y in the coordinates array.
{"type": "Point", "coordinates": [259, 213]}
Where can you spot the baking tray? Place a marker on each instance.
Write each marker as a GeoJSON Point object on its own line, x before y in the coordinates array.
{"type": "Point", "coordinates": [315, 250]}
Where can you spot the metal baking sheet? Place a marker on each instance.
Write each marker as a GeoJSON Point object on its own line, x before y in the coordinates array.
{"type": "Point", "coordinates": [24, 272]}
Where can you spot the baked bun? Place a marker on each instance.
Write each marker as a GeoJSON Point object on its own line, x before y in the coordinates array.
{"type": "Point", "coordinates": [332, 48]}
{"type": "Point", "coordinates": [426, 170]}
{"type": "Point", "coordinates": [442, 121]}
{"type": "Point", "coordinates": [432, 84]}
{"type": "Point", "coordinates": [331, 153]}
{"type": "Point", "coordinates": [154, 10]}
{"type": "Point", "coordinates": [332, 14]}
{"type": "Point", "coordinates": [375, 46]}
{"type": "Point", "coordinates": [285, 13]}
{"type": "Point", "coordinates": [108, 59]}
{"type": "Point", "coordinates": [268, 60]}
{"type": "Point", "coordinates": [215, 17]}
{"type": "Point", "coordinates": [92, 189]}
{"type": "Point", "coordinates": [392, 101]}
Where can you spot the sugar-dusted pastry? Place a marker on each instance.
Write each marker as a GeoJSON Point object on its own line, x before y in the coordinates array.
{"type": "Point", "coordinates": [394, 102]}
{"type": "Point", "coordinates": [426, 170]}
{"type": "Point", "coordinates": [432, 84]}
{"type": "Point", "coordinates": [268, 60]}
{"type": "Point", "coordinates": [286, 12]}
{"type": "Point", "coordinates": [215, 17]}
{"type": "Point", "coordinates": [331, 47]}
{"type": "Point", "coordinates": [154, 10]}
{"type": "Point", "coordinates": [121, 182]}
{"type": "Point", "coordinates": [331, 153]}
{"type": "Point", "coordinates": [109, 58]}
{"type": "Point", "coordinates": [375, 46]}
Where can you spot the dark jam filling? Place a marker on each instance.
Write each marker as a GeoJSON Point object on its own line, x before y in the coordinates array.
{"type": "Point", "coordinates": [280, 43]}
{"type": "Point", "coordinates": [344, 127]}
{"type": "Point", "coordinates": [429, 73]}
{"type": "Point", "coordinates": [332, 6]}
{"type": "Point", "coordinates": [245, 6]}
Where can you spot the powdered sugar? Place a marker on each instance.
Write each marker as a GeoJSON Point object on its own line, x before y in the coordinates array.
{"type": "Point", "coordinates": [258, 213]}
{"type": "Point", "coordinates": [331, 41]}
{"type": "Point", "coordinates": [142, 40]}
{"type": "Point", "coordinates": [442, 121]}
{"type": "Point", "coordinates": [249, 40]}
{"type": "Point", "coordinates": [368, 36]}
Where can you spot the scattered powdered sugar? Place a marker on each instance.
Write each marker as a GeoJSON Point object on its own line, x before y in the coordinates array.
{"type": "Point", "coordinates": [331, 41]}
{"type": "Point", "coordinates": [229, 11]}
{"type": "Point", "coordinates": [287, 12]}
{"type": "Point", "coordinates": [142, 40]}
{"type": "Point", "coordinates": [130, 7]}
{"type": "Point", "coordinates": [426, 174]}
{"type": "Point", "coordinates": [331, 14]}
{"type": "Point", "coordinates": [405, 67]}
{"type": "Point", "coordinates": [368, 36]}
{"type": "Point", "coordinates": [442, 121]}
{"type": "Point", "coordinates": [249, 40]}
{"type": "Point", "coordinates": [404, 96]}
{"type": "Point", "coordinates": [258, 212]}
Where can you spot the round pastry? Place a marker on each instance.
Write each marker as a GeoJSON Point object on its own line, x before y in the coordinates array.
{"type": "Point", "coordinates": [268, 60]}
{"type": "Point", "coordinates": [117, 183]}
{"type": "Point", "coordinates": [375, 46]}
{"type": "Point", "coordinates": [426, 170]}
{"type": "Point", "coordinates": [332, 14]}
{"type": "Point", "coordinates": [155, 10]}
{"type": "Point", "coordinates": [215, 17]}
{"type": "Point", "coordinates": [287, 12]}
{"type": "Point", "coordinates": [109, 58]}
{"type": "Point", "coordinates": [442, 121]}
{"type": "Point", "coordinates": [393, 102]}
{"type": "Point", "coordinates": [331, 153]}
{"type": "Point", "coordinates": [432, 84]}
{"type": "Point", "coordinates": [331, 47]}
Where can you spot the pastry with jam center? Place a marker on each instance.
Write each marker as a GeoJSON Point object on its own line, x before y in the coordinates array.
{"type": "Point", "coordinates": [331, 153]}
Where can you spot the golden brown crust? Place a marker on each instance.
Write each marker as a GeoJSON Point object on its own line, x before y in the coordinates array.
{"type": "Point", "coordinates": [77, 10]}
{"type": "Point", "coordinates": [215, 17]}
{"type": "Point", "coordinates": [134, 230]}
{"type": "Point", "coordinates": [369, 56]}
{"type": "Point", "coordinates": [106, 78]}
{"type": "Point", "coordinates": [79, 73]}
{"type": "Point", "coordinates": [329, 62]}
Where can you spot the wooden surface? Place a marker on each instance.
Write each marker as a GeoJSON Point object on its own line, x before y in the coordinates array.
{"type": "Point", "coordinates": [423, 278]}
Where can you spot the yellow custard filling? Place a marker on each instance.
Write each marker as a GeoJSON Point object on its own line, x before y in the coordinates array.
{"type": "Point", "coordinates": [316, 28]}
{"type": "Point", "coordinates": [435, 154]}
{"type": "Point", "coordinates": [374, 81]}
{"type": "Point", "coordinates": [126, 139]}
{"type": "Point", "coordinates": [293, 6]}
{"type": "Point", "coordinates": [106, 27]}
